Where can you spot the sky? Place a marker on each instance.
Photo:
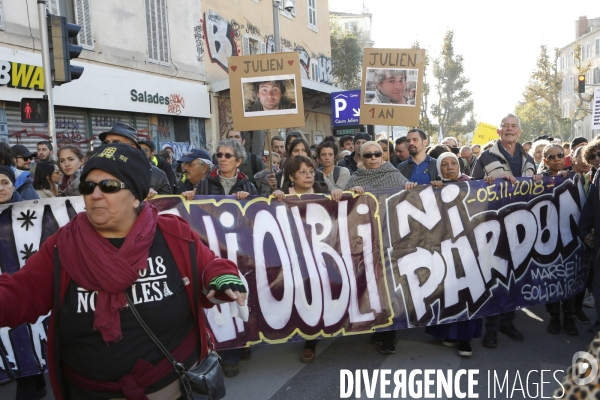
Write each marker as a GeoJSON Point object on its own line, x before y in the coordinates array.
{"type": "Point", "coordinates": [499, 41]}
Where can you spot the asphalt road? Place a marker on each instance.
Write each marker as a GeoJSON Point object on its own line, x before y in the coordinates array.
{"type": "Point", "coordinates": [275, 372]}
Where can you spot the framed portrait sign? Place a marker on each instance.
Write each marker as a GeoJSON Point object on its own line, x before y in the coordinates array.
{"type": "Point", "coordinates": [392, 82]}
{"type": "Point", "coordinates": [266, 91]}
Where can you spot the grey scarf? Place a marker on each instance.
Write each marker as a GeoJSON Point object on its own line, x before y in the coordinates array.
{"type": "Point", "coordinates": [386, 176]}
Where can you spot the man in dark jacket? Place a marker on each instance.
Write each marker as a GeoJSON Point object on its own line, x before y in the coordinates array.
{"type": "Point", "coordinates": [22, 159]}
{"type": "Point", "coordinates": [505, 159]}
{"type": "Point", "coordinates": [195, 166]}
{"type": "Point", "coordinates": [419, 168]}
{"type": "Point", "coordinates": [159, 162]}
{"type": "Point", "coordinates": [123, 133]}
{"type": "Point", "coordinates": [351, 161]}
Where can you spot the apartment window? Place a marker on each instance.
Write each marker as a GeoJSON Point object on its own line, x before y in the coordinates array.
{"type": "Point", "coordinates": [157, 31]}
{"type": "Point", "coordinates": [572, 84]}
{"type": "Point", "coordinates": [571, 59]}
{"type": "Point", "coordinates": [349, 26]}
{"type": "Point", "coordinates": [52, 6]}
{"type": "Point", "coordinates": [84, 19]}
{"type": "Point", "coordinates": [312, 15]}
{"type": "Point", "coordinates": [252, 46]}
{"type": "Point", "coordinates": [596, 76]}
{"type": "Point", "coordinates": [598, 47]}
{"type": "Point", "coordinates": [285, 12]}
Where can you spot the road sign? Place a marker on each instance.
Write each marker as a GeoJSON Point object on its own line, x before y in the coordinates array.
{"type": "Point", "coordinates": [345, 108]}
{"type": "Point", "coordinates": [34, 110]}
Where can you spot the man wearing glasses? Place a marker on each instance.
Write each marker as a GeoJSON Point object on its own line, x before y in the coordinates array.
{"type": "Point", "coordinates": [22, 159]}
{"type": "Point", "coordinates": [506, 159]}
{"type": "Point", "coordinates": [195, 166]}
{"type": "Point", "coordinates": [126, 134]}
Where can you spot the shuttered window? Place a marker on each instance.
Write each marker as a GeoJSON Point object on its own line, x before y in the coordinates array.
{"type": "Point", "coordinates": [1, 16]}
{"type": "Point", "coordinates": [53, 7]}
{"type": "Point", "coordinates": [84, 19]}
{"type": "Point", "coordinates": [157, 31]}
{"type": "Point", "coordinates": [312, 14]}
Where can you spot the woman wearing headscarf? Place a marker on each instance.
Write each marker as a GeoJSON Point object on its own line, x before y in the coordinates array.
{"type": "Point", "coordinates": [119, 249]}
{"type": "Point", "coordinates": [461, 332]}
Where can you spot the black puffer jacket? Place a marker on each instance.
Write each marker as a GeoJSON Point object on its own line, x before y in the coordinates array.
{"type": "Point", "coordinates": [211, 185]}
{"type": "Point", "coordinates": [159, 181]}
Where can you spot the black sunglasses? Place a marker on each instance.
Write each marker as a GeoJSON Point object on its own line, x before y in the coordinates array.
{"type": "Point", "coordinates": [592, 156]}
{"type": "Point", "coordinates": [377, 154]}
{"type": "Point", "coordinates": [106, 186]}
{"type": "Point", "coordinates": [25, 158]}
{"type": "Point", "coordinates": [560, 156]}
{"type": "Point", "coordinates": [226, 155]}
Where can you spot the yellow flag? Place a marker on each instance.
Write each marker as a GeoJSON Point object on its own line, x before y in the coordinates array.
{"type": "Point", "coordinates": [484, 133]}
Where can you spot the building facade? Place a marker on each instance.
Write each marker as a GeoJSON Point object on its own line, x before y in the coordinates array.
{"type": "Point", "coordinates": [363, 21]}
{"type": "Point", "coordinates": [587, 33]}
{"type": "Point", "coordinates": [142, 64]}
{"type": "Point", "coordinates": [245, 27]}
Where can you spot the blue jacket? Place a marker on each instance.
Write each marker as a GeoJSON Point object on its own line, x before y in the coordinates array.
{"type": "Point", "coordinates": [24, 186]}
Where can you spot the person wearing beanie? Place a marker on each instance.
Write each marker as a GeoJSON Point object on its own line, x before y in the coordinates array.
{"type": "Point", "coordinates": [120, 254]}
{"type": "Point", "coordinates": [127, 134]}
{"type": "Point", "coordinates": [150, 149]}
{"type": "Point", "coordinates": [8, 194]}
{"type": "Point", "coordinates": [579, 141]}
{"type": "Point", "coordinates": [351, 161]}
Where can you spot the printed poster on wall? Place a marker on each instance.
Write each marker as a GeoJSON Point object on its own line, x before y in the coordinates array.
{"type": "Point", "coordinates": [266, 91]}
{"type": "Point", "coordinates": [392, 86]}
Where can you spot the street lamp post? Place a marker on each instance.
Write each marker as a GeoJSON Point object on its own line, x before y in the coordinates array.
{"type": "Point", "coordinates": [277, 35]}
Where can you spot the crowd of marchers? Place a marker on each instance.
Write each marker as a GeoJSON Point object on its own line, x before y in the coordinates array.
{"type": "Point", "coordinates": [356, 163]}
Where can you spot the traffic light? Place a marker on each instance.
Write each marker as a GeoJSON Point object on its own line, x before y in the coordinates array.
{"type": "Point", "coordinates": [34, 110]}
{"type": "Point", "coordinates": [62, 51]}
{"type": "Point", "coordinates": [581, 80]}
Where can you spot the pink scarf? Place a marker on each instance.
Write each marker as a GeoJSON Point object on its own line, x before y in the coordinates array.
{"type": "Point", "coordinates": [95, 264]}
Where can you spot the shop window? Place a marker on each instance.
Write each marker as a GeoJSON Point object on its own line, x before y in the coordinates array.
{"type": "Point", "coordinates": [157, 31]}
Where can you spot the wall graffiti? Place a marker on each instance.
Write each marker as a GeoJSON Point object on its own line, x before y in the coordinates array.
{"type": "Point", "coordinates": [179, 148]}
{"type": "Point", "coordinates": [225, 117]}
{"type": "Point", "coordinates": [164, 130]}
{"type": "Point", "coordinates": [304, 62]}
{"type": "Point", "coordinates": [103, 121]}
{"type": "Point", "coordinates": [253, 30]}
{"type": "Point", "coordinates": [220, 39]}
{"type": "Point", "coordinates": [325, 72]}
{"type": "Point", "coordinates": [176, 103]}
{"type": "Point", "coordinates": [199, 38]}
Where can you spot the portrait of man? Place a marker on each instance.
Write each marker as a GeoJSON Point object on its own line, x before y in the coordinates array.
{"type": "Point", "coordinates": [390, 86]}
{"type": "Point", "coordinates": [269, 96]}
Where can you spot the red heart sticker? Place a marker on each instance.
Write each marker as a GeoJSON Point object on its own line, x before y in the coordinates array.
{"type": "Point", "coordinates": [291, 62]}
{"type": "Point", "coordinates": [233, 67]}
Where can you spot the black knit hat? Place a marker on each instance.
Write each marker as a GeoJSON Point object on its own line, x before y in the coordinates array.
{"type": "Point", "coordinates": [577, 141]}
{"type": "Point", "coordinates": [121, 129]}
{"type": "Point", "coordinates": [125, 163]}
{"type": "Point", "coordinates": [362, 136]}
{"type": "Point", "coordinates": [6, 170]}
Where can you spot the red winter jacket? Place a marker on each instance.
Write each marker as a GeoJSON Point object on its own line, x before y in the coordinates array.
{"type": "Point", "coordinates": [28, 293]}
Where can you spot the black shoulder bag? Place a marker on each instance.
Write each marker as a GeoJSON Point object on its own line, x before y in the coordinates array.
{"type": "Point", "coordinates": [205, 381]}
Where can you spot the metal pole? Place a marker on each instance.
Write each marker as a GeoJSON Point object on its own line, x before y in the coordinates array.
{"type": "Point", "coordinates": [277, 35]}
{"type": "Point", "coordinates": [47, 72]}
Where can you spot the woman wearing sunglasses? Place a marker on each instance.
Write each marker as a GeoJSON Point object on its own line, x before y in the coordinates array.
{"type": "Point", "coordinates": [46, 179]}
{"type": "Point", "coordinates": [119, 252]}
{"type": "Point", "coordinates": [70, 159]}
{"type": "Point", "coordinates": [227, 179]}
{"type": "Point", "coordinates": [300, 173]}
{"type": "Point", "coordinates": [591, 155]}
{"type": "Point", "coordinates": [374, 173]}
